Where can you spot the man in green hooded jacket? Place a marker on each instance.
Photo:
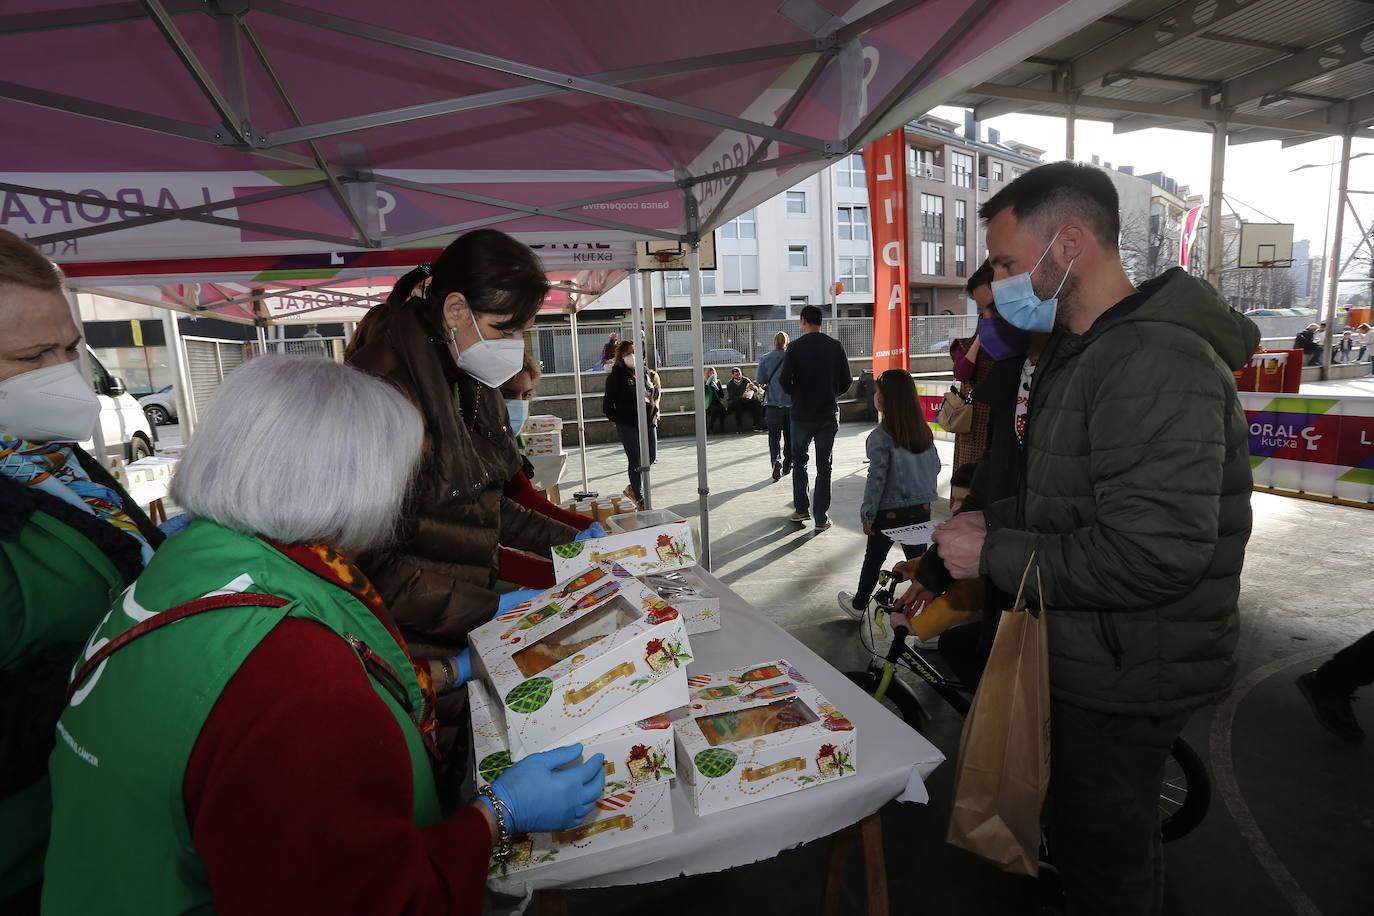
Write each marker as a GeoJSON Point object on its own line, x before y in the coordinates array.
{"type": "Point", "coordinates": [1134, 509]}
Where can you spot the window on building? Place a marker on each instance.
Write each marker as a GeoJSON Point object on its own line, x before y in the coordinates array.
{"type": "Point", "coordinates": [740, 273]}
{"type": "Point", "coordinates": [856, 274]}
{"type": "Point", "coordinates": [798, 301]}
{"type": "Point", "coordinates": [796, 203]}
{"type": "Point", "coordinates": [960, 218]}
{"type": "Point", "coordinates": [1017, 173]}
{"type": "Point", "coordinates": [679, 282]}
{"type": "Point", "coordinates": [996, 171]}
{"type": "Point", "coordinates": [796, 256]}
{"type": "Point", "coordinates": [962, 166]}
{"type": "Point", "coordinates": [849, 172]}
{"type": "Point", "coordinates": [744, 226]}
{"type": "Point", "coordinates": [920, 162]}
{"type": "Point", "coordinates": [960, 261]}
{"type": "Point", "coordinates": [853, 223]}
{"type": "Point", "coordinates": [933, 258]}
{"type": "Point", "coordinates": [933, 217]}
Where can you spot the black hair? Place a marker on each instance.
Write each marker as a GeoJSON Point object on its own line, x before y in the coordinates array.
{"type": "Point", "coordinates": [1061, 191]}
{"type": "Point", "coordinates": [811, 314]}
{"type": "Point", "coordinates": [495, 273]}
{"type": "Point", "coordinates": [981, 277]}
{"type": "Point", "coordinates": [963, 475]}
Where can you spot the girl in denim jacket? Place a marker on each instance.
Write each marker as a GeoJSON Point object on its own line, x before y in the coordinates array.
{"type": "Point", "coordinates": [902, 469]}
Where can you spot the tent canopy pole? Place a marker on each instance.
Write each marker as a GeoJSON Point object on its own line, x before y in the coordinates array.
{"type": "Point", "coordinates": [641, 386]}
{"type": "Point", "coordinates": [699, 363]}
{"type": "Point", "coordinates": [581, 420]}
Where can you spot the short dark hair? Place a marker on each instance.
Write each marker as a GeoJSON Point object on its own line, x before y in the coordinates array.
{"type": "Point", "coordinates": [811, 314]}
{"type": "Point", "coordinates": [981, 277]}
{"type": "Point", "coordinates": [1061, 191]}
{"type": "Point", "coordinates": [963, 475]}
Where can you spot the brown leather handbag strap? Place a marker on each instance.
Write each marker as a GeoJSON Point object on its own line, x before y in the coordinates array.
{"type": "Point", "coordinates": [171, 615]}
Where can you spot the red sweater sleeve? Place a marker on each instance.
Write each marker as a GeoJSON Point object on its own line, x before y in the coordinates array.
{"type": "Point", "coordinates": [524, 569]}
{"type": "Point", "coordinates": [298, 795]}
{"type": "Point", "coordinates": [519, 489]}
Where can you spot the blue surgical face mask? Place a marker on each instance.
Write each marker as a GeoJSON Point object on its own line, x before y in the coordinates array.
{"type": "Point", "coordinates": [1020, 306]}
{"type": "Point", "coordinates": [519, 412]}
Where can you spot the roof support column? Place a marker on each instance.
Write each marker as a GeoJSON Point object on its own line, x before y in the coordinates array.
{"type": "Point", "coordinates": [1334, 263]}
{"type": "Point", "coordinates": [1216, 178]}
{"type": "Point", "coordinates": [1070, 110]}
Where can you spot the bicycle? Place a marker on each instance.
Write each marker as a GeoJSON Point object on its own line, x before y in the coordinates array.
{"type": "Point", "coordinates": [1184, 796]}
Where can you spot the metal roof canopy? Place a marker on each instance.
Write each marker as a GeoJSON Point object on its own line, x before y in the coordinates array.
{"type": "Point", "coordinates": [1289, 70]}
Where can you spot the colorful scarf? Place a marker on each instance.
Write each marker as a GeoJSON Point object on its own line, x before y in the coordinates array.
{"type": "Point", "coordinates": [336, 569]}
{"type": "Point", "coordinates": [52, 467]}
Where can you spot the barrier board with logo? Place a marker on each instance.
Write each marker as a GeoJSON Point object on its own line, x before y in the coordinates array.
{"type": "Point", "coordinates": [1322, 446]}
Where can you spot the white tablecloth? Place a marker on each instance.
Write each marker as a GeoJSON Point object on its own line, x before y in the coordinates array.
{"type": "Point", "coordinates": [893, 763]}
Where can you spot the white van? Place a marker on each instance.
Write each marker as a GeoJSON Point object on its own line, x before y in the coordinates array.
{"type": "Point", "coordinates": [122, 421]}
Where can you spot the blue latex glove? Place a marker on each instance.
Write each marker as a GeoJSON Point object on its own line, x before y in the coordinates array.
{"type": "Point", "coordinates": [511, 599]}
{"type": "Point", "coordinates": [595, 531]}
{"type": "Point", "coordinates": [541, 797]}
{"type": "Point", "coordinates": [462, 667]}
{"type": "Point", "coordinates": [176, 524]}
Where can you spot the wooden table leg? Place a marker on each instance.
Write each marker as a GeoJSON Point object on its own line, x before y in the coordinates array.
{"type": "Point", "coordinates": [875, 864]}
{"type": "Point", "coordinates": [551, 902]}
{"type": "Point", "coordinates": [834, 874]}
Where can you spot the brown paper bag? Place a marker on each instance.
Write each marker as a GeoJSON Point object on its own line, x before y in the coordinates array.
{"type": "Point", "coordinates": [1004, 753]}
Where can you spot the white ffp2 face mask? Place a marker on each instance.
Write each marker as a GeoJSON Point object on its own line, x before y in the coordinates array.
{"type": "Point", "coordinates": [52, 404]}
{"type": "Point", "coordinates": [519, 412]}
{"type": "Point", "coordinates": [491, 362]}
{"type": "Point", "coordinates": [630, 360]}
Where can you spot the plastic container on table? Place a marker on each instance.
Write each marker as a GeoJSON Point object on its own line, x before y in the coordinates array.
{"type": "Point", "coordinates": [633, 521]}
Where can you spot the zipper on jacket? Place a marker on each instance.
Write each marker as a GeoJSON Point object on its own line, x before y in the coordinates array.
{"type": "Point", "coordinates": [1110, 637]}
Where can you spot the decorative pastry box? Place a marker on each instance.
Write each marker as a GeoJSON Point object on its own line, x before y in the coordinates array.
{"type": "Point", "coordinates": [758, 732]}
{"type": "Point", "coordinates": [542, 423]}
{"type": "Point", "coordinates": [662, 555]}
{"type": "Point", "coordinates": [636, 805]}
{"type": "Point", "coordinates": [596, 653]}
{"type": "Point", "coordinates": [543, 443]}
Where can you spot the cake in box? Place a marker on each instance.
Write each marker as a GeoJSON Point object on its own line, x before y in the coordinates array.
{"type": "Point", "coordinates": [636, 804]}
{"type": "Point", "coordinates": [542, 423]}
{"type": "Point", "coordinates": [543, 443]}
{"type": "Point", "coordinates": [758, 732]}
{"type": "Point", "coordinates": [663, 556]}
{"type": "Point", "coordinates": [596, 653]}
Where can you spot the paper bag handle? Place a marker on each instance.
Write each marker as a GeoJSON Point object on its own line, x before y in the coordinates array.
{"type": "Point", "coordinates": [1019, 604]}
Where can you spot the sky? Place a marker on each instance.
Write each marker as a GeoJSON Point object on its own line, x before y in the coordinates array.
{"type": "Point", "coordinates": [1259, 182]}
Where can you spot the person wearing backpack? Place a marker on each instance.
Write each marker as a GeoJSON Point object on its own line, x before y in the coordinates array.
{"type": "Point", "coordinates": [902, 468]}
{"type": "Point", "coordinates": [777, 407]}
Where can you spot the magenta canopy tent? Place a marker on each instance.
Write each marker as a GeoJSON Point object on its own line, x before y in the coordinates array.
{"type": "Point", "coordinates": [223, 149]}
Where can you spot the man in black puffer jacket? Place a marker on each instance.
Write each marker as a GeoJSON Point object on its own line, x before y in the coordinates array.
{"type": "Point", "coordinates": [1135, 507]}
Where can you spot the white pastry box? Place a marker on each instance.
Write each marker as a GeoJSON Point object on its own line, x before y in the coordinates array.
{"type": "Point", "coordinates": [662, 555]}
{"type": "Point", "coordinates": [543, 443]}
{"type": "Point", "coordinates": [636, 804]}
{"type": "Point", "coordinates": [542, 423]}
{"type": "Point", "coordinates": [758, 732]}
{"type": "Point", "coordinates": [596, 653]}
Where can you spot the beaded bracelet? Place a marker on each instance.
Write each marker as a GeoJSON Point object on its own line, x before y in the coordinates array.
{"type": "Point", "coordinates": [501, 849]}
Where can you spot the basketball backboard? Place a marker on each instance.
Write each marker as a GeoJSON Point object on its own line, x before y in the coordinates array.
{"type": "Point", "coordinates": [1265, 245]}
{"type": "Point", "coordinates": [661, 255]}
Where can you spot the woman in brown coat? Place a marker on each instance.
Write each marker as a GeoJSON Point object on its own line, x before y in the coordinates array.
{"type": "Point", "coordinates": [448, 334]}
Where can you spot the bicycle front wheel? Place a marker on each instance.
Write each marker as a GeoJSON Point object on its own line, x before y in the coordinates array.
{"type": "Point", "coordinates": [1186, 793]}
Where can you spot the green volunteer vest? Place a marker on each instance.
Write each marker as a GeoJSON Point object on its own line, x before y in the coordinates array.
{"type": "Point", "coordinates": [120, 840]}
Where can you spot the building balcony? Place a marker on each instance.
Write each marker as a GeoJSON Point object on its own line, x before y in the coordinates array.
{"type": "Point", "coordinates": [928, 172]}
{"type": "Point", "coordinates": [982, 184]}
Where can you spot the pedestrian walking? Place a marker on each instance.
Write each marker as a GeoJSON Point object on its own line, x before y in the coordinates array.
{"type": "Point", "coordinates": [815, 372]}
{"type": "Point", "coordinates": [777, 406]}
{"type": "Point", "coordinates": [1330, 688]}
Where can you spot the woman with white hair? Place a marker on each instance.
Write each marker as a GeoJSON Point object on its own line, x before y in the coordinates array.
{"type": "Point", "coordinates": [246, 732]}
{"type": "Point", "coordinates": [69, 538]}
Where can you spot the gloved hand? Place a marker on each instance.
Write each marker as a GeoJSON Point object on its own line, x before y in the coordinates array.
{"type": "Point", "coordinates": [542, 798]}
{"type": "Point", "coordinates": [462, 667]}
{"type": "Point", "coordinates": [510, 599]}
{"type": "Point", "coordinates": [595, 531]}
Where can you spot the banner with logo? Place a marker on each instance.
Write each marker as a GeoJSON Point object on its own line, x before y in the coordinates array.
{"type": "Point", "coordinates": [1187, 231]}
{"type": "Point", "coordinates": [1322, 446]}
{"type": "Point", "coordinates": [885, 169]}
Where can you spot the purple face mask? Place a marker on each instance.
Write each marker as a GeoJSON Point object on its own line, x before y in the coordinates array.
{"type": "Point", "coordinates": [1001, 338]}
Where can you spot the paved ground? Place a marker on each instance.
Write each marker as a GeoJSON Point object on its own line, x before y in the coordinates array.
{"type": "Point", "coordinates": [1291, 828]}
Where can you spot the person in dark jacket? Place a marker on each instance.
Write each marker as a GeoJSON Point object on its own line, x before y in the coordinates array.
{"type": "Point", "coordinates": [1133, 514]}
{"type": "Point", "coordinates": [745, 400]}
{"type": "Point", "coordinates": [715, 401]}
{"type": "Point", "coordinates": [815, 372]}
{"type": "Point", "coordinates": [1306, 341]}
{"type": "Point", "coordinates": [448, 334]}
{"type": "Point", "coordinates": [70, 539]}
{"type": "Point", "coordinates": [619, 404]}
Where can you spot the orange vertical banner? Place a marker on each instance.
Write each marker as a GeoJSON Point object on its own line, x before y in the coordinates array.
{"type": "Point", "coordinates": [885, 169]}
